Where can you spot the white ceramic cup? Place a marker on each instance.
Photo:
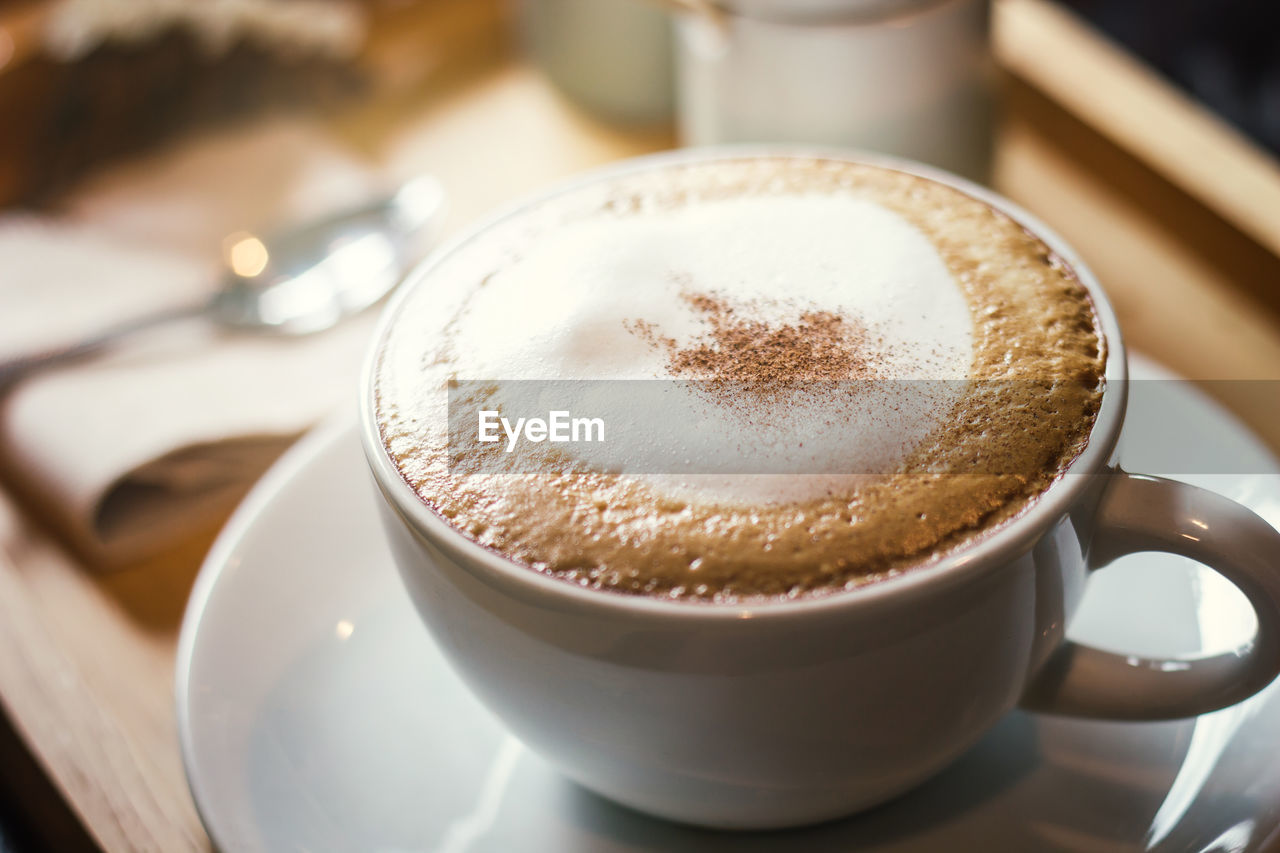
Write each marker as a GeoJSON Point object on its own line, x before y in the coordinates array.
{"type": "Point", "coordinates": [792, 712]}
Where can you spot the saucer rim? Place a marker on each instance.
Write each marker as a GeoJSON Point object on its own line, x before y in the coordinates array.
{"type": "Point", "coordinates": [313, 444]}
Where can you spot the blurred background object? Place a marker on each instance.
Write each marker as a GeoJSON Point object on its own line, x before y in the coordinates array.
{"type": "Point", "coordinates": [298, 281]}
{"type": "Point", "coordinates": [85, 81]}
{"type": "Point", "coordinates": [1225, 53]}
{"type": "Point", "coordinates": [127, 453]}
{"type": "Point", "coordinates": [905, 77]}
{"type": "Point", "coordinates": [611, 56]}
{"type": "Point", "coordinates": [911, 78]}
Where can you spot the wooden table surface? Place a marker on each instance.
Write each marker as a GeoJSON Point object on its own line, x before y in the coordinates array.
{"type": "Point", "coordinates": [86, 663]}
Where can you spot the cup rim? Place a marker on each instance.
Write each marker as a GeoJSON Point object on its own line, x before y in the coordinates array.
{"type": "Point", "coordinates": [1008, 540]}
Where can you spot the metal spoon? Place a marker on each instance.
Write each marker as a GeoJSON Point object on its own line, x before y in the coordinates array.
{"type": "Point", "coordinates": [299, 281]}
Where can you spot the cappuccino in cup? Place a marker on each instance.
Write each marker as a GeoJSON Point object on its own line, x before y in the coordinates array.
{"type": "Point", "coordinates": [939, 363]}
{"type": "Point", "coordinates": [751, 488]}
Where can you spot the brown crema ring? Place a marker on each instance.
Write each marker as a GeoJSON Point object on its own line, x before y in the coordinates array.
{"type": "Point", "coordinates": [1038, 362]}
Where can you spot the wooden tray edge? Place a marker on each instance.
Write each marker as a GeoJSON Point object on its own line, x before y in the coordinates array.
{"type": "Point", "coordinates": [1058, 53]}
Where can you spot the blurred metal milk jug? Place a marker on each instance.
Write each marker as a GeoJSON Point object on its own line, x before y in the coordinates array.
{"type": "Point", "coordinates": [907, 77]}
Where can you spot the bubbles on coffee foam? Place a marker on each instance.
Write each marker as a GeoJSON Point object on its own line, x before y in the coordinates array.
{"type": "Point", "coordinates": [788, 535]}
{"type": "Point", "coordinates": [567, 306]}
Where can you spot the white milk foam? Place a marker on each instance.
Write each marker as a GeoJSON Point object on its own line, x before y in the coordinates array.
{"type": "Point", "coordinates": [561, 311]}
{"type": "Point", "coordinates": [566, 308]}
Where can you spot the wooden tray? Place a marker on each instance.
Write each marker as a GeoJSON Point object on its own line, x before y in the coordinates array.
{"type": "Point", "coordinates": [1177, 215]}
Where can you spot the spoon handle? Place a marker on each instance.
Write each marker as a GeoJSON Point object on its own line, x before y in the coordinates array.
{"type": "Point", "coordinates": [14, 370]}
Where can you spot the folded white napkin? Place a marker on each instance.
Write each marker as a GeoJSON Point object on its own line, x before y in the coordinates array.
{"type": "Point", "coordinates": [132, 450]}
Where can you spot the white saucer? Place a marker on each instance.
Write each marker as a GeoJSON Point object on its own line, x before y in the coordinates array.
{"type": "Point", "coordinates": [315, 714]}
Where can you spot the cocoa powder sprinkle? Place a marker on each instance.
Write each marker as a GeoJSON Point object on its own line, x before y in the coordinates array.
{"type": "Point", "coordinates": [741, 348]}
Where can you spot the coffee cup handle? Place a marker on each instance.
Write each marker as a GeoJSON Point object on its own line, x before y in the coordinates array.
{"type": "Point", "coordinates": [1143, 513]}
